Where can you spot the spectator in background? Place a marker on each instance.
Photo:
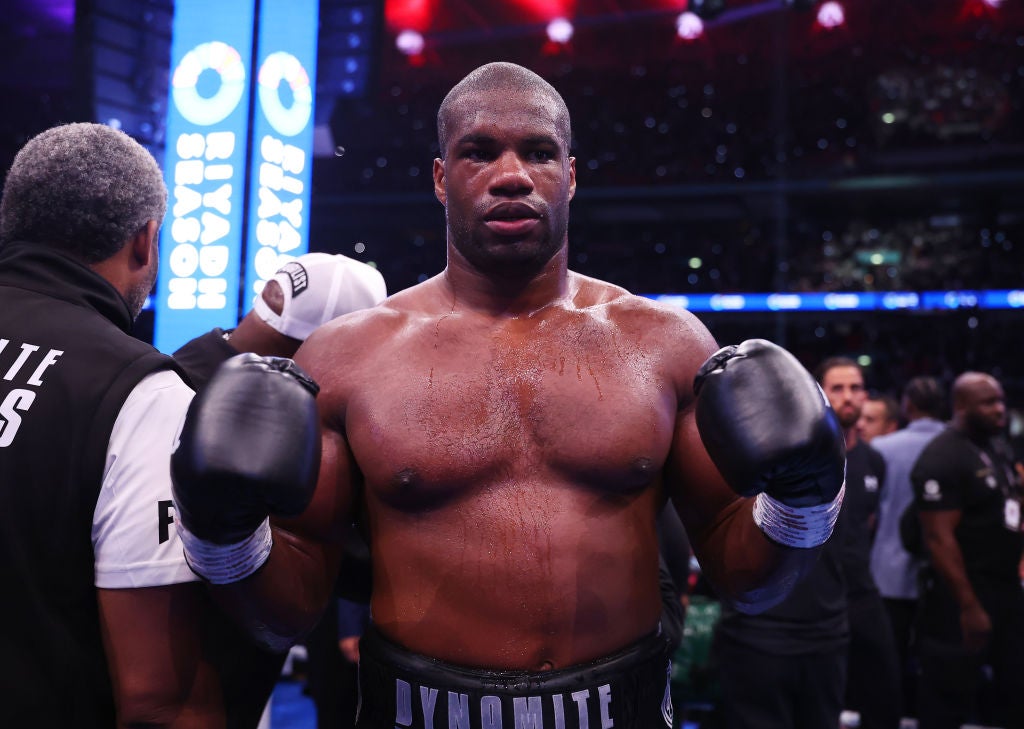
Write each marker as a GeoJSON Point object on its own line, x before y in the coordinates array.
{"type": "Point", "coordinates": [879, 416]}
{"type": "Point", "coordinates": [786, 667]}
{"type": "Point", "coordinates": [305, 293]}
{"type": "Point", "coordinates": [872, 679]}
{"type": "Point", "coordinates": [971, 620]}
{"type": "Point", "coordinates": [895, 570]}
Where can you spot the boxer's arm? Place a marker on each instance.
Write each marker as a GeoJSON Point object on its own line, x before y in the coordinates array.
{"type": "Point", "coordinates": [153, 641]}
{"type": "Point", "coordinates": [745, 567]}
{"type": "Point", "coordinates": [285, 598]}
{"type": "Point", "coordinates": [289, 567]}
{"type": "Point", "coordinates": [775, 440]}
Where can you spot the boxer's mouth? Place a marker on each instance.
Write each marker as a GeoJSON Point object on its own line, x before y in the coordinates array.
{"type": "Point", "coordinates": [511, 211]}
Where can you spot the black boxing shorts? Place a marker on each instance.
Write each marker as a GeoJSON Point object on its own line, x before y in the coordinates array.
{"type": "Point", "coordinates": [403, 690]}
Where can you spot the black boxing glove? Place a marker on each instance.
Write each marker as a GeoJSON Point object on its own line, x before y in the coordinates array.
{"type": "Point", "coordinates": [249, 447]}
{"type": "Point", "coordinates": [771, 432]}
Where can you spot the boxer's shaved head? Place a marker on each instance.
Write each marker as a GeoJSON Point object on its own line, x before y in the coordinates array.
{"type": "Point", "coordinates": [509, 79]}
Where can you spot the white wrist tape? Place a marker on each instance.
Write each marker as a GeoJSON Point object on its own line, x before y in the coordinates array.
{"type": "Point", "coordinates": [802, 527]}
{"type": "Point", "coordinates": [221, 564]}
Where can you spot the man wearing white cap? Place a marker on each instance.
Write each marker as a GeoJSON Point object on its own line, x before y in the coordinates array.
{"type": "Point", "coordinates": [305, 293]}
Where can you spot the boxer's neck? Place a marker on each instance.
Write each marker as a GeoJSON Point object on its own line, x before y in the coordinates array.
{"type": "Point", "coordinates": [507, 296]}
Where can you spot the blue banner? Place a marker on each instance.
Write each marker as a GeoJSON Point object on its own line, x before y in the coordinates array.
{"type": "Point", "coordinates": [282, 139]}
{"type": "Point", "coordinates": [204, 165]}
{"type": "Point", "coordinates": [847, 301]}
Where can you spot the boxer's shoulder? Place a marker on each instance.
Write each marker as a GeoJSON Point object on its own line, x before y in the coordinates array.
{"type": "Point", "coordinates": [655, 326]}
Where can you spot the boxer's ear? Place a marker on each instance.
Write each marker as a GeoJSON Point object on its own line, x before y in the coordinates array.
{"type": "Point", "coordinates": [440, 187]}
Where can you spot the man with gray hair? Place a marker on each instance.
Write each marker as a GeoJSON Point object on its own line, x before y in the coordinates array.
{"type": "Point", "coordinates": [105, 619]}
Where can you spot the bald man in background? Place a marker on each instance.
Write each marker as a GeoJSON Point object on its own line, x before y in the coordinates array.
{"type": "Point", "coordinates": [971, 620]}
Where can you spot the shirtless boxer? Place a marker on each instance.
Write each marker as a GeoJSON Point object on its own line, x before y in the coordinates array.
{"type": "Point", "coordinates": [507, 432]}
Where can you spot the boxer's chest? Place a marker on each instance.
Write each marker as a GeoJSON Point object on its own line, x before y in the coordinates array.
{"type": "Point", "coordinates": [585, 408]}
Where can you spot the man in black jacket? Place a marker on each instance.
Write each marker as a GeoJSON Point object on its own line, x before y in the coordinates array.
{"type": "Point", "coordinates": [104, 619]}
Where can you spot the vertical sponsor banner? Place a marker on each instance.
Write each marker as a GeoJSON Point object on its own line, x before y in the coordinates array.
{"type": "Point", "coordinates": [207, 120]}
{"type": "Point", "coordinates": [282, 139]}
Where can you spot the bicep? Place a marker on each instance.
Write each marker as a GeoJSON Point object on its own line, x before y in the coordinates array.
{"type": "Point", "coordinates": [330, 512]}
{"type": "Point", "coordinates": [696, 488]}
{"type": "Point", "coordinates": [153, 641]}
{"type": "Point", "coordinates": [324, 525]}
{"type": "Point", "coordinates": [745, 567]}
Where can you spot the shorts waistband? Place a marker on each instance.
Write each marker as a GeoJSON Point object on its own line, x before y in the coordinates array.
{"type": "Point", "coordinates": [627, 689]}
{"type": "Point", "coordinates": [379, 648]}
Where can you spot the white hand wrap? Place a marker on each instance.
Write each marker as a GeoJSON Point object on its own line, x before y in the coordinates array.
{"type": "Point", "coordinates": [792, 526]}
{"type": "Point", "coordinates": [221, 564]}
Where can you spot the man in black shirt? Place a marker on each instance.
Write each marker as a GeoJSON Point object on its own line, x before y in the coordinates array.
{"type": "Point", "coordinates": [787, 667]}
{"type": "Point", "coordinates": [971, 622]}
{"type": "Point", "coordinates": [872, 683]}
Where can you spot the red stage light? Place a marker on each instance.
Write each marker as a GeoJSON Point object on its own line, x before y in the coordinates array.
{"type": "Point", "coordinates": [546, 10]}
{"type": "Point", "coordinates": [409, 14]}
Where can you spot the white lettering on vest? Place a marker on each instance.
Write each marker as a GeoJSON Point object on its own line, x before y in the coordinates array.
{"type": "Point", "coordinates": [49, 360]}
{"type": "Point", "coordinates": [20, 399]}
{"type": "Point", "coordinates": [26, 352]}
{"type": "Point", "coordinates": [10, 421]}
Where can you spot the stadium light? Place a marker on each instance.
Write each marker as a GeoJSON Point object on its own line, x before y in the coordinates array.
{"type": "Point", "coordinates": [560, 31]}
{"type": "Point", "coordinates": [831, 15]}
{"type": "Point", "coordinates": [409, 42]}
{"type": "Point", "coordinates": [689, 26]}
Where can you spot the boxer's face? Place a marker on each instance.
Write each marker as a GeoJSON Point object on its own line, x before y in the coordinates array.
{"type": "Point", "coordinates": [506, 181]}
